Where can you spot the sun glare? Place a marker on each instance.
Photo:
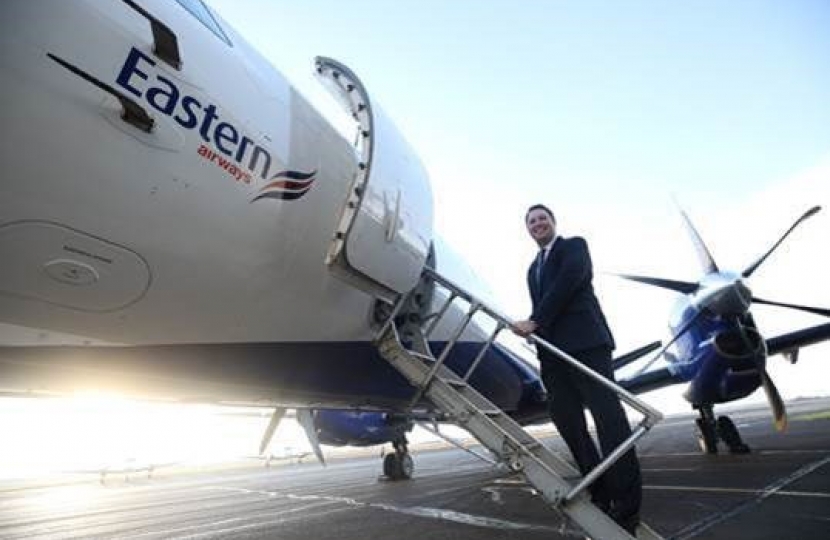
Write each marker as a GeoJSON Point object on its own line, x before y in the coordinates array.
{"type": "Point", "coordinates": [93, 432]}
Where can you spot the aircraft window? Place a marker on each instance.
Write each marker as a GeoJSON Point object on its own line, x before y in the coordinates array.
{"type": "Point", "coordinates": [198, 10]}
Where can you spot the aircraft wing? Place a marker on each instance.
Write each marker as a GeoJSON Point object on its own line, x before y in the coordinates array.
{"type": "Point", "coordinates": [791, 342]}
{"type": "Point", "coordinates": [650, 380]}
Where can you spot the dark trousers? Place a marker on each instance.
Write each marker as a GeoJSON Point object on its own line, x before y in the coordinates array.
{"type": "Point", "coordinates": [619, 490]}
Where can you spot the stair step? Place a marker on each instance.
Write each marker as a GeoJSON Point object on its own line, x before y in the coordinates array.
{"type": "Point", "coordinates": [455, 383]}
{"type": "Point", "coordinates": [531, 445]}
{"type": "Point", "coordinates": [424, 357]}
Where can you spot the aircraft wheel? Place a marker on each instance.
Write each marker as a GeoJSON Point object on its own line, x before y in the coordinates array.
{"type": "Point", "coordinates": [729, 434]}
{"type": "Point", "coordinates": [707, 438]}
{"type": "Point", "coordinates": [398, 466]}
{"type": "Point", "coordinates": [390, 465]}
{"type": "Point", "coordinates": [407, 466]}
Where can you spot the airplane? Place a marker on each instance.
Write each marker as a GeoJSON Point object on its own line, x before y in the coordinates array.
{"type": "Point", "coordinates": [177, 222]}
{"type": "Point", "coordinates": [716, 346]}
{"type": "Point", "coordinates": [284, 454]}
{"type": "Point", "coordinates": [129, 467]}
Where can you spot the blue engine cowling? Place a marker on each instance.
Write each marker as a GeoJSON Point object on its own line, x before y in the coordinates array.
{"type": "Point", "coordinates": [358, 428]}
{"type": "Point", "coordinates": [729, 367]}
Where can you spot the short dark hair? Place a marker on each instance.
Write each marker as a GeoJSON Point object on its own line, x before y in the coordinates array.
{"type": "Point", "coordinates": [540, 207]}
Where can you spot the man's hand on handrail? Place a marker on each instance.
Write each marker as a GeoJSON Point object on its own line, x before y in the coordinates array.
{"type": "Point", "coordinates": [524, 328]}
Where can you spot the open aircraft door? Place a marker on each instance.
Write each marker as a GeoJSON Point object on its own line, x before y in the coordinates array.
{"type": "Point", "coordinates": [384, 233]}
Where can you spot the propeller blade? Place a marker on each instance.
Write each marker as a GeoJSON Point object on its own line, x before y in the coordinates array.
{"type": "Point", "coordinates": [305, 418]}
{"type": "Point", "coordinates": [779, 412]}
{"type": "Point", "coordinates": [279, 412]}
{"type": "Point", "coordinates": [703, 255]}
{"type": "Point", "coordinates": [754, 266]}
{"type": "Point", "coordinates": [662, 351]}
{"type": "Point", "coordinates": [679, 286]}
{"type": "Point", "coordinates": [808, 309]}
{"type": "Point", "coordinates": [636, 354]}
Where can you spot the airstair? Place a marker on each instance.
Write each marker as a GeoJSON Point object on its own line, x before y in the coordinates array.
{"type": "Point", "coordinates": [453, 396]}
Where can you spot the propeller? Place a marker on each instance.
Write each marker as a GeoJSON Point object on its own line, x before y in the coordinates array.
{"type": "Point", "coordinates": [683, 329]}
{"type": "Point", "coordinates": [279, 412]}
{"type": "Point", "coordinates": [703, 255]}
{"type": "Point", "coordinates": [754, 266]}
{"type": "Point", "coordinates": [724, 294]}
{"type": "Point", "coordinates": [636, 354]}
{"type": "Point", "coordinates": [808, 309]}
{"type": "Point", "coordinates": [305, 418]}
{"type": "Point", "coordinates": [779, 412]}
{"type": "Point", "coordinates": [678, 286]}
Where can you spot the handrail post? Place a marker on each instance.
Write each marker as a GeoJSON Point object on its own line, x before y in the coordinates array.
{"type": "Point", "coordinates": [391, 319]}
{"type": "Point", "coordinates": [450, 299]}
{"type": "Point", "coordinates": [480, 357]}
{"type": "Point", "coordinates": [444, 354]}
{"type": "Point", "coordinates": [606, 463]}
{"type": "Point", "coordinates": [652, 415]}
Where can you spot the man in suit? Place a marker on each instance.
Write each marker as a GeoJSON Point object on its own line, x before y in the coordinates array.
{"type": "Point", "coordinates": [566, 313]}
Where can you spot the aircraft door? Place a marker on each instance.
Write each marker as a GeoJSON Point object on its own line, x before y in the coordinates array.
{"type": "Point", "coordinates": [385, 229]}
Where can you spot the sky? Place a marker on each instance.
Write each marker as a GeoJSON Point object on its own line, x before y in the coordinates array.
{"type": "Point", "coordinates": [611, 113]}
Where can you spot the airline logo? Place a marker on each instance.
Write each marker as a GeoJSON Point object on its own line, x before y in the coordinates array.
{"type": "Point", "coordinates": [225, 145]}
{"type": "Point", "coordinates": [287, 185]}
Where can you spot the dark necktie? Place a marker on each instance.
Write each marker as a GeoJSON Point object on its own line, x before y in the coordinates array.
{"type": "Point", "coordinates": [540, 261]}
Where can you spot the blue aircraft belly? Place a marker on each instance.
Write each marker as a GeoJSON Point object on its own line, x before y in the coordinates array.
{"type": "Point", "coordinates": [347, 374]}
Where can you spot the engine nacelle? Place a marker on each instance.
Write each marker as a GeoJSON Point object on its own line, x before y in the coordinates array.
{"type": "Point", "coordinates": [730, 366]}
{"type": "Point", "coordinates": [736, 344]}
{"type": "Point", "coordinates": [358, 428]}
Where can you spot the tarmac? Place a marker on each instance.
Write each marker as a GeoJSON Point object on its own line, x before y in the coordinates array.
{"type": "Point", "coordinates": [779, 491]}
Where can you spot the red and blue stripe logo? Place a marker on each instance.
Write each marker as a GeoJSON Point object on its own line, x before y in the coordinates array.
{"type": "Point", "coordinates": [287, 186]}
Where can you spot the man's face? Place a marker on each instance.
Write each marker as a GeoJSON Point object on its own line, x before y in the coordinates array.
{"type": "Point", "coordinates": [540, 226]}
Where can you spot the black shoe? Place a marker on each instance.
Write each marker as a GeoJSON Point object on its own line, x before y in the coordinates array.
{"type": "Point", "coordinates": [629, 522]}
{"type": "Point", "coordinates": [603, 505]}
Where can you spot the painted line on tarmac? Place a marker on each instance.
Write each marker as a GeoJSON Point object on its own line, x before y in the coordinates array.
{"type": "Point", "coordinates": [418, 511]}
{"type": "Point", "coordinates": [670, 469]}
{"type": "Point", "coordinates": [229, 531]}
{"type": "Point", "coordinates": [808, 494]}
{"type": "Point", "coordinates": [820, 451]}
{"type": "Point", "coordinates": [226, 526]}
{"type": "Point", "coordinates": [708, 522]}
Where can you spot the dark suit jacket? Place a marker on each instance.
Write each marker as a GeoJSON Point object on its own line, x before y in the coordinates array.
{"type": "Point", "coordinates": [565, 306]}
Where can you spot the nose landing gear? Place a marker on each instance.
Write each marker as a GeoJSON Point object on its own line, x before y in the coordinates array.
{"type": "Point", "coordinates": [398, 465]}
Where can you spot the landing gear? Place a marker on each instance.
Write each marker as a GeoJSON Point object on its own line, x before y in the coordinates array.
{"type": "Point", "coordinates": [707, 437]}
{"type": "Point", "coordinates": [709, 431]}
{"type": "Point", "coordinates": [728, 433]}
{"type": "Point", "coordinates": [398, 465]}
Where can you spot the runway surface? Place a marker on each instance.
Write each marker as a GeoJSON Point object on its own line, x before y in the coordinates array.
{"type": "Point", "coordinates": [780, 491]}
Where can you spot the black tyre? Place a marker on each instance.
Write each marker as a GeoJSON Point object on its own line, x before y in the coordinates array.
{"type": "Point", "coordinates": [398, 466]}
{"type": "Point", "coordinates": [729, 434]}
{"type": "Point", "coordinates": [707, 439]}
{"type": "Point", "coordinates": [390, 466]}
{"type": "Point", "coordinates": [407, 467]}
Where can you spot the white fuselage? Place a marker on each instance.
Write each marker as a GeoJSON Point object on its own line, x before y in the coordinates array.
{"type": "Point", "coordinates": [124, 236]}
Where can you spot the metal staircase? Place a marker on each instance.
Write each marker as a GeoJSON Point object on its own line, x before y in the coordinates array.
{"type": "Point", "coordinates": [492, 427]}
